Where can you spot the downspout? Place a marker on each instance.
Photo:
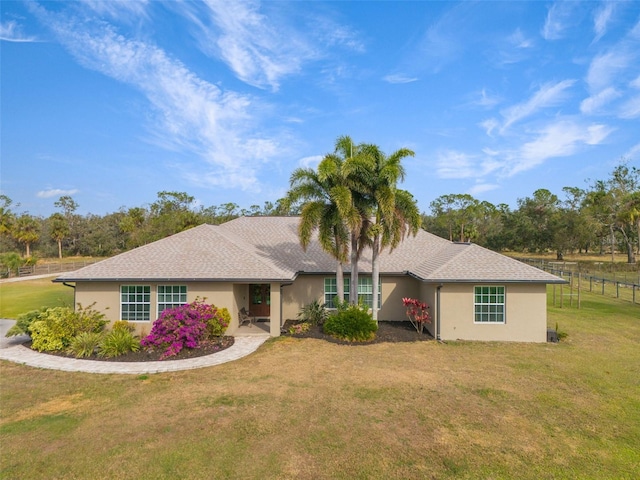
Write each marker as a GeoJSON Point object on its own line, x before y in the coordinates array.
{"type": "Point", "coordinates": [74, 293]}
{"type": "Point", "coordinates": [438, 313]}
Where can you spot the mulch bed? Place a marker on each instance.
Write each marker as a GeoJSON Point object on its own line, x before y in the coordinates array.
{"type": "Point", "coordinates": [145, 356]}
{"type": "Point", "coordinates": [387, 332]}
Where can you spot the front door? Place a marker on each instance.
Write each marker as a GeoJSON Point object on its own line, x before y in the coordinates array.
{"type": "Point", "coordinates": [260, 300]}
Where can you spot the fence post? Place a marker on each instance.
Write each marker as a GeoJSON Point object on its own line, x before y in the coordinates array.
{"type": "Point", "coordinates": [617, 289]}
{"type": "Point", "coordinates": [590, 283]}
{"type": "Point", "coordinates": [561, 295]}
{"type": "Point", "coordinates": [603, 286]}
{"type": "Point", "coordinates": [579, 275]}
{"type": "Point", "coordinates": [571, 289]}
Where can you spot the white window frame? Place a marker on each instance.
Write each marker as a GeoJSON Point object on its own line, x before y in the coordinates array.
{"type": "Point", "coordinates": [489, 304]}
{"type": "Point", "coordinates": [176, 298]}
{"type": "Point", "coordinates": [141, 296]}
{"type": "Point", "coordinates": [329, 295]}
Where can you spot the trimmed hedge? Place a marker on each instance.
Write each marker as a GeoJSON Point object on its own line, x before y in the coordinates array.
{"type": "Point", "coordinates": [352, 324]}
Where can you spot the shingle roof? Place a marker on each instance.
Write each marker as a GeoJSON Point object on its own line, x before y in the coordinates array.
{"type": "Point", "coordinates": [267, 248]}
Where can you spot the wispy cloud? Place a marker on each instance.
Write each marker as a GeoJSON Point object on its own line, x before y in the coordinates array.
{"type": "Point", "coordinates": [12, 32]}
{"type": "Point", "coordinates": [559, 139]}
{"type": "Point", "coordinates": [480, 188]}
{"type": "Point", "coordinates": [558, 18]}
{"type": "Point", "coordinates": [455, 164]}
{"type": "Point", "coordinates": [191, 114]}
{"type": "Point", "coordinates": [594, 103]}
{"type": "Point", "coordinates": [633, 153]}
{"type": "Point", "coordinates": [601, 19]}
{"type": "Point", "coordinates": [486, 100]}
{"type": "Point", "coordinates": [310, 162]}
{"type": "Point", "coordinates": [56, 192]}
{"type": "Point", "coordinates": [631, 108]}
{"type": "Point", "coordinates": [263, 48]}
{"type": "Point", "coordinates": [399, 78]}
{"type": "Point", "coordinates": [548, 95]}
{"type": "Point", "coordinates": [605, 67]}
{"type": "Point", "coordinates": [122, 10]}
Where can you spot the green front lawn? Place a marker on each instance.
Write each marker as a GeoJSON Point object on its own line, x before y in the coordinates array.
{"type": "Point", "coordinates": [24, 296]}
{"type": "Point", "coordinates": [309, 409]}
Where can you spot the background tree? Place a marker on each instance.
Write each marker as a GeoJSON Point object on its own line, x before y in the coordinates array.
{"type": "Point", "coordinates": [58, 230]}
{"type": "Point", "coordinates": [69, 206]}
{"type": "Point", "coordinates": [26, 231]}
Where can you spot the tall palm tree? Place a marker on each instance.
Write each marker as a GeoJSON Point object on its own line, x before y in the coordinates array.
{"type": "Point", "coordinates": [26, 230]}
{"type": "Point", "coordinates": [353, 201]}
{"type": "Point", "coordinates": [322, 194]}
{"type": "Point", "coordinates": [394, 211]}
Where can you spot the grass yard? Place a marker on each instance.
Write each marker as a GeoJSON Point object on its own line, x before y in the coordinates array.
{"type": "Point", "coordinates": [308, 409]}
{"type": "Point", "coordinates": [23, 296]}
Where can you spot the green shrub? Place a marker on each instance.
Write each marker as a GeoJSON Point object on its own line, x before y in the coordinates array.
{"type": "Point", "coordinates": [217, 325]}
{"type": "Point", "coordinates": [118, 342]}
{"type": "Point", "coordinates": [23, 323]}
{"type": "Point", "coordinates": [315, 313]}
{"type": "Point", "coordinates": [55, 328]}
{"type": "Point", "coordinates": [123, 325]}
{"type": "Point", "coordinates": [85, 344]}
{"type": "Point", "coordinates": [352, 323]}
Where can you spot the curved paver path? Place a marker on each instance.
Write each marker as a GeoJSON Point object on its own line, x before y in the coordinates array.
{"type": "Point", "coordinates": [17, 353]}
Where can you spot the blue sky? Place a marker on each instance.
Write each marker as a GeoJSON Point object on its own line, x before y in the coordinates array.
{"type": "Point", "coordinates": [113, 101]}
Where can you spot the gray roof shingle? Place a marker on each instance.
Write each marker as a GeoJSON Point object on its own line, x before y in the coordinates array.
{"type": "Point", "coordinates": [267, 248]}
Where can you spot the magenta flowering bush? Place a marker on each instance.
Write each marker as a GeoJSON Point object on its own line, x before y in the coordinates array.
{"type": "Point", "coordinates": [418, 313]}
{"type": "Point", "coordinates": [181, 327]}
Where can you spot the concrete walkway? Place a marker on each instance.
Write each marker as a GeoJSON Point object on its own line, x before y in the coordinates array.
{"type": "Point", "coordinates": [12, 350]}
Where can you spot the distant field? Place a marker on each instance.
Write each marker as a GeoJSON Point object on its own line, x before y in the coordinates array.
{"type": "Point", "coordinates": [23, 296]}
{"type": "Point", "coordinates": [310, 409]}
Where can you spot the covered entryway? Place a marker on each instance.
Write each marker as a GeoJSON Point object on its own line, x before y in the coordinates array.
{"type": "Point", "coordinates": [260, 300]}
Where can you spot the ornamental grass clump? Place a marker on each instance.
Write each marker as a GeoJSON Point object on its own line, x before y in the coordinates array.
{"type": "Point", "coordinates": [186, 326]}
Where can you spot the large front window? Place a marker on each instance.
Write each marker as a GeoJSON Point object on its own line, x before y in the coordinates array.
{"type": "Point", "coordinates": [135, 303]}
{"type": "Point", "coordinates": [170, 296]}
{"type": "Point", "coordinates": [365, 291]}
{"type": "Point", "coordinates": [489, 304]}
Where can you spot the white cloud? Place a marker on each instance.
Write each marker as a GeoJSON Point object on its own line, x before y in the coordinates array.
{"type": "Point", "coordinates": [548, 95]}
{"type": "Point", "coordinates": [12, 32]}
{"type": "Point", "coordinates": [633, 153]}
{"type": "Point", "coordinates": [481, 188]}
{"type": "Point", "coordinates": [489, 126]}
{"type": "Point", "coordinates": [191, 114]}
{"type": "Point", "coordinates": [119, 9]}
{"type": "Point", "coordinates": [261, 44]}
{"type": "Point", "coordinates": [631, 108]}
{"type": "Point", "coordinates": [635, 83]}
{"type": "Point", "coordinates": [486, 100]}
{"type": "Point", "coordinates": [557, 20]}
{"type": "Point", "coordinates": [518, 40]}
{"type": "Point", "coordinates": [454, 164]}
{"type": "Point", "coordinates": [560, 139]}
{"type": "Point", "coordinates": [606, 67]}
{"type": "Point", "coordinates": [601, 19]}
{"type": "Point", "coordinates": [310, 162]}
{"type": "Point", "coordinates": [55, 192]}
{"type": "Point", "coordinates": [399, 78]}
{"type": "Point", "coordinates": [594, 103]}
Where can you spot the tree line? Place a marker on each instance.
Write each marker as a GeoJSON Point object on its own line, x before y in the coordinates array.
{"type": "Point", "coordinates": [601, 218]}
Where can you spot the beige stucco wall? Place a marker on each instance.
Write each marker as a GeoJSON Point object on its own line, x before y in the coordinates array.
{"type": "Point", "coordinates": [525, 319]}
{"type": "Point", "coordinates": [106, 296]}
{"type": "Point", "coordinates": [526, 312]}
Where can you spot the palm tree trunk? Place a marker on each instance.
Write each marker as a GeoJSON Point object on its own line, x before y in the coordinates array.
{"type": "Point", "coordinates": [28, 245]}
{"type": "Point", "coordinates": [353, 289]}
{"type": "Point", "coordinates": [375, 275]}
{"type": "Point", "coordinates": [340, 282]}
{"type": "Point", "coordinates": [60, 249]}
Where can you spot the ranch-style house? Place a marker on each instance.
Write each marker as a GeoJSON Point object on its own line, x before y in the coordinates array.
{"type": "Point", "coordinates": [257, 263]}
